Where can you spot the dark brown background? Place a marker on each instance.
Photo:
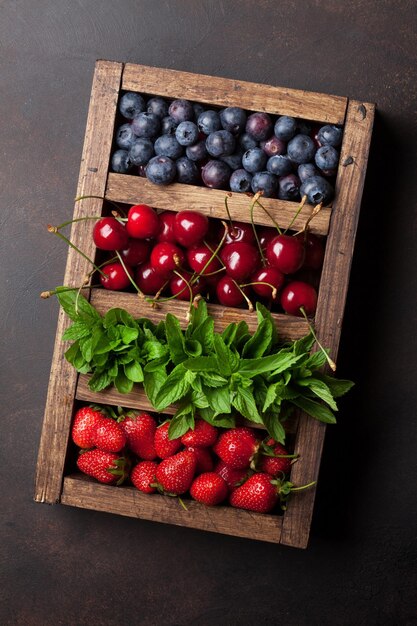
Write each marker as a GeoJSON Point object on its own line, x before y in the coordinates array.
{"type": "Point", "coordinates": [65, 566]}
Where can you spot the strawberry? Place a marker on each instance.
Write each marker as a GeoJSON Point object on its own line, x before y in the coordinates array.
{"type": "Point", "coordinates": [203, 435]}
{"type": "Point", "coordinates": [209, 488]}
{"type": "Point", "coordinates": [84, 427]}
{"type": "Point", "coordinates": [204, 459]}
{"type": "Point", "coordinates": [106, 467]}
{"type": "Point", "coordinates": [256, 494]}
{"type": "Point", "coordinates": [165, 447]}
{"type": "Point", "coordinates": [140, 432]}
{"type": "Point", "coordinates": [274, 459]}
{"type": "Point", "coordinates": [175, 474]}
{"type": "Point", "coordinates": [109, 435]}
{"type": "Point", "coordinates": [143, 474]}
{"type": "Point", "coordinates": [237, 447]}
{"type": "Point", "coordinates": [233, 477]}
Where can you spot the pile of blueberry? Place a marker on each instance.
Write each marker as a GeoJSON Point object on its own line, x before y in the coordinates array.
{"type": "Point", "coordinates": [231, 149]}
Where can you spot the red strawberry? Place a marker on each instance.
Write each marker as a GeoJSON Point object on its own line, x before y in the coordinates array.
{"type": "Point", "coordinates": [237, 446]}
{"type": "Point", "coordinates": [204, 459]}
{"type": "Point", "coordinates": [175, 474]}
{"type": "Point", "coordinates": [203, 435]}
{"type": "Point", "coordinates": [143, 474]}
{"type": "Point", "coordinates": [140, 432]}
{"type": "Point", "coordinates": [106, 467]}
{"type": "Point", "coordinates": [109, 435]}
{"type": "Point", "coordinates": [256, 494]}
{"type": "Point", "coordinates": [278, 462]}
{"type": "Point", "coordinates": [165, 447]}
{"type": "Point", "coordinates": [233, 477]}
{"type": "Point", "coordinates": [84, 426]}
{"type": "Point", "coordinates": [209, 488]}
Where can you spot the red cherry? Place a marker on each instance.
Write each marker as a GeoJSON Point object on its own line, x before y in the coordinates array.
{"type": "Point", "coordinates": [228, 293]}
{"type": "Point", "coordinates": [142, 222]}
{"type": "Point", "coordinates": [265, 236]}
{"type": "Point", "coordinates": [199, 256]}
{"type": "Point", "coordinates": [190, 228]}
{"type": "Point", "coordinates": [240, 231]}
{"type": "Point", "coordinates": [109, 234]}
{"type": "Point", "coordinates": [148, 279]}
{"type": "Point", "coordinates": [136, 252]}
{"type": "Point", "coordinates": [166, 257]}
{"type": "Point", "coordinates": [286, 253]}
{"type": "Point", "coordinates": [270, 275]}
{"type": "Point", "coordinates": [166, 233]}
{"type": "Point", "coordinates": [181, 290]}
{"type": "Point", "coordinates": [115, 276]}
{"type": "Point", "coordinates": [240, 259]}
{"type": "Point", "coordinates": [298, 294]}
{"type": "Point", "coordinates": [314, 250]}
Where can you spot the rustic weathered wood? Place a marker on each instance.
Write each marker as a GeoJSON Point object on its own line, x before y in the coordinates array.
{"type": "Point", "coordinates": [289, 327]}
{"type": "Point", "coordinates": [331, 304]}
{"type": "Point", "coordinates": [211, 202]}
{"type": "Point", "coordinates": [81, 492]}
{"type": "Point", "coordinates": [228, 92]}
{"type": "Point", "coordinates": [92, 180]}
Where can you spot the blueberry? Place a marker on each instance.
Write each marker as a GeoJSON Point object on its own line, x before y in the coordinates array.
{"type": "Point", "coordinates": [220, 143]}
{"type": "Point", "coordinates": [289, 187]}
{"type": "Point", "coordinates": [216, 174]}
{"type": "Point", "coordinates": [317, 189]}
{"type": "Point", "coordinates": [187, 171]}
{"type": "Point", "coordinates": [254, 160]}
{"type": "Point", "coordinates": [186, 133]}
{"type": "Point", "coordinates": [181, 110]}
{"type": "Point", "coordinates": [161, 170]}
{"type": "Point", "coordinates": [301, 149]}
{"type": "Point", "coordinates": [279, 164]}
{"type": "Point", "coordinates": [198, 109]}
{"type": "Point", "coordinates": [234, 161]}
{"type": "Point", "coordinates": [168, 126]}
{"type": "Point", "coordinates": [273, 145]}
{"type": "Point", "coordinates": [240, 181]}
{"type": "Point", "coordinates": [120, 162]}
{"type": "Point", "coordinates": [285, 127]}
{"type": "Point", "coordinates": [167, 145]}
{"type": "Point", "coordinates": [131, 104]}
{"type": "Point", "coordinates": [125, 136]}
{"type": "Point", "coordinates": [197, 152]}
{"type": "Point", "coordinates": [141, 151]}
{"type": "Point", "coordinates": [146, 125]}
{"type": "Point", "coordinates": [233, 119]}
{"type": "Point", "coordinates": [246, 142]}
{"type": "Point", "coordinates": [266, 182]}
{"type": "Point", "coordinates": [306, 170]}
{"type": "Point", "coordinates": [158, 106]}
{"type": "Point", "coordinates": [209, 121]}
{"type": "Point", "coordinates": [259, 126]}
{"type": "Point", "coordinates": [304, 128]}
{"type": "Point", "coordinates": [327, 158]}
{"type": "Point", "coordinates": [330, 135]}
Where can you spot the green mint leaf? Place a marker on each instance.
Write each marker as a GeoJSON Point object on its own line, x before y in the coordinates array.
{"type": "Point", "coordinates": [274, 363]}
{"type": "Point", "coordinates": [274, 427]}
{"type": "Point", "coordinates": [153, 349]}
{"type": "Point", "coordinates": [245, 404]}
{"type": "Point", "coordinates": [76, 306]}
{"type": "Point", "coordinates": [222, 421]}
{"type": "Point", "coordinates": [86, 347]}
{"type": "Point", "coordinates": [128, 335]}
{"type": "Point", "coordinates": [222, 353]}
{"type": "Point", "coordinates": [303, 346]}
{"type": "Point", "coordinates": [229, 333]}
{"type": "Point", "coordinates": [337, 386]}
{"type": "Point", "coordinates": [75, 357]}
{"type": "Point", "coordinates": [193, 348]}
{"type": "Point", "coordinates": [199, 399]}
{"type": "Point", "coordinates": [152, 383]}
{"type": "Point", "coordinates": [179, 425]}
{"type": "Point", "coordinates": [77, 330]}
{"type": "Point", "coordinates": [260, 342]}
{"type": "Point", "coordinates": [212, 379]}
{"type": "Point", "coordinates": [174, 388]}
{"type": "Point", "coordinates": [201, 364]}
{"type": "Point", "coordinates": [198, 315]}
{"type": "Point", "coordinates": [315, 360]}
{"type": "Point", "coordinates": [218, 399]}
{"type": "Point", "coordinates": [99, 381]}
{"type": "Point", "coordinates": [117, 316]}
{"type": "Point", "coordinates": [134, 372]}
{"type": "Point", "coordinates": [263, 313]}
{"type": "Point", "coordinates": [175, 339]}
{"type": "Point", "coordinates": [317, 410]}
{"type": "Point", "coordinates": [320, 389]}
{"type": "Point", "coordinates": [122, 382]}
{"type": "Point", "coordinates": [204, 334]}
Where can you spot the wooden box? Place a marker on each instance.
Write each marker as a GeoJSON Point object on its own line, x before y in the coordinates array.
{"type": "Point", "coordinates": [54, 481]}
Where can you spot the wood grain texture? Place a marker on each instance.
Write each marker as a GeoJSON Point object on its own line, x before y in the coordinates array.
{"type": "Point", "coordinates": [92, 180]}
{"type": "Point", "coordinates": [289, 327]}
{"type": "Point", "coordinates": [82, 492]}
{"type": "Point", "coordinates": [227, 92]}
{"type": "Point", "coordinates": [331, 304]}
{"type": "Point", "coordinates": [211, 202]}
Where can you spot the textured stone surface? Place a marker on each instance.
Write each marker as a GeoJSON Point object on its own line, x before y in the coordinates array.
{"type": "Point", "coordinates": [64, 566]}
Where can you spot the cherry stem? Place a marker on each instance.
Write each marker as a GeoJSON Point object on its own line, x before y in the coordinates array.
{"type": "Point", "coordinates": [226, 204]}
{"type": "Point", "coordinates": [122, 263]}
{"type": "Point", "coordinates": [302, 203]}
{"type": "Point", "coordinates": [303, 486]}
{"type": "Point", "coordinates": [78, 198]}
{"type": "Point", "coordinates": [215, 253]}
{"type": "Point", "coordinates": [78, 219]}
{"type": "Point", "coordinates": [55, 231]}
{"type": "Point", "coordinates": [47, 294]}
{"type": "Point", "coordinates": [314, 212]}
{"type": "Point", "coordinates": [273, 220]}
{"type": "Point", "coordinates": [262, 282]}
{"type": "Point", "coordinates": [249, 303]}
{"type": "Point", "coordinates": [258, 243]}
{"type": "Point", "coordinates": [330, 361]}
{"type": "Point", "coordinates": [188, 285]}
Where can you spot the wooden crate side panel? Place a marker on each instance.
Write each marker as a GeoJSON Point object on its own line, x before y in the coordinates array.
{"type": "Point", "coordinates": [228, 92]}
{"type": "Point", "coordinates": [331, 304]}
{"type": "Point", "coordinates": [82, 492]}
{"type": "Point", "coordinates": [177, 197]}
{"type": "Point", "coordinates": [92, 181]}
